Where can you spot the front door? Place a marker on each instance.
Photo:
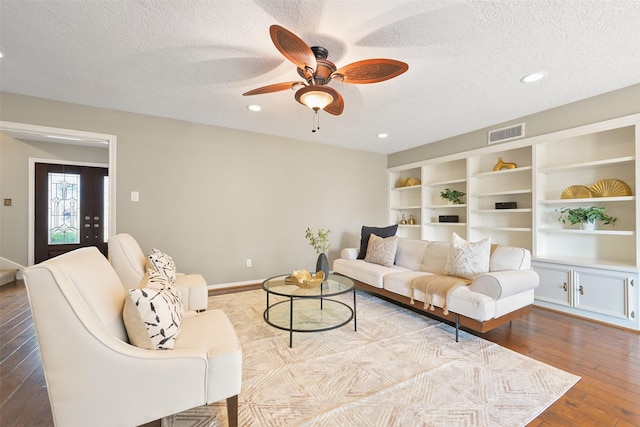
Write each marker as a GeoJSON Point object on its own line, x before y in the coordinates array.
{"type": "Point", "coordinates": [70, 209]}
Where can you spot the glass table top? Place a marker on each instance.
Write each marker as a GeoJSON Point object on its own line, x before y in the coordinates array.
{"type": "Point", "coordinates": [335, 284]}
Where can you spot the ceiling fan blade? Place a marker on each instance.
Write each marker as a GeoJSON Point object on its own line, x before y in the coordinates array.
{"type": "Point", "coordinates": [370, 71]}
{"type": "Point", "coordinates": [272, 88]}
{"type": "Point", "coordinates": [293, 48]}
{"type": "Point", "coordinates": [336, 106]}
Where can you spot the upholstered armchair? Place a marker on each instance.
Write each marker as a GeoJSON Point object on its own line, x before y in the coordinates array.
{"type": "Point", "coordinates": [130, 263]}
{"type": "Point", "coordinates": [95, 376]}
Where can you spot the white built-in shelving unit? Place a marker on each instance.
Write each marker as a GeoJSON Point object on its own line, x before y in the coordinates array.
{"type": "Point", "coordinates": [592, 274]}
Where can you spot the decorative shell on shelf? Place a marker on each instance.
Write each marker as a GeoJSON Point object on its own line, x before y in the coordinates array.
{"type": "Point", "coordinates": [610, 188]}
{"type": "Point", "coordinates": [402, 182]}
{"type": "Point", "coordinates": [576, 192]}
{"type": "Point", "coordinates": [304, 279]}
{"type": "Point", "coordinates": [413, 181]}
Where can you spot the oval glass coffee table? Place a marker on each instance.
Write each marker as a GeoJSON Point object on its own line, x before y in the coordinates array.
{"type": "Point", "coordinates": [309, 310]}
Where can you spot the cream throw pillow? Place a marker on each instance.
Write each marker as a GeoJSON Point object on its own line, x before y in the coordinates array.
{"type": "Point", "coordinates": [381, 250]}
{"type": "Point", "coordinates": [162, 263]}
{"type": "Point", "coordinates": [466, 259]}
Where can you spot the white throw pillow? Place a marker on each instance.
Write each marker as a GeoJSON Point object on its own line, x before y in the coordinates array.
{"type": "Point", "coordinates": [162, 263]}
{"type": "Point", "coordinates": [466, 259]}
{"type": "Point", "coordinates": [152, 315]}
{"type": "Point", "coordinates": [381, 250]}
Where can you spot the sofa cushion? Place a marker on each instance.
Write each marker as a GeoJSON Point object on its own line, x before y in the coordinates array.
{"type": "Point", "coordinates": [410, 253]}
{"type": "Point", "coordinates": [381, 250]}
{"type": "Point", "coordinates": [510, 258]}
{"type": "Point", "coordinates": [467, 259]}
{"type": "Point", "coordinates": [435, 257]}
{"type": "Point", "coordinates": [378, 231]}
{"type": "Point", "coordinates": [162, 263]}
{"type": "Point", "coordinates": [153, 314]}
{"type": "Point", "coordinates": [365, 272]}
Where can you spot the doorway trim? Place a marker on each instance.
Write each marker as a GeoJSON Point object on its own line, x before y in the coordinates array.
{"type": "Point", "coordinates": [66, 136]}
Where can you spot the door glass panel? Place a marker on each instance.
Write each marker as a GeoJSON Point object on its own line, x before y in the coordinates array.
{"type": "Point", "coordinates": [64, 208]}
{"type": "Point", "coordinates": [105, 214]}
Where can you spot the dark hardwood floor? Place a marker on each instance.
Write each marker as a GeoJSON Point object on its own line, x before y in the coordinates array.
{"type": "Point", "coordinates": [607, 359]}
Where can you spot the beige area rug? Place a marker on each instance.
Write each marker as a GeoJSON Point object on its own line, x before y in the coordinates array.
{"type": "Point", "coordinates": [399, 369]}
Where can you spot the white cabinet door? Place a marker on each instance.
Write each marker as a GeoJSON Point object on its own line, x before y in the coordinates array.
{"type": "Point", "coordinates": [555, 284]}
{"type": "Point", "coordinates": [602, 292]}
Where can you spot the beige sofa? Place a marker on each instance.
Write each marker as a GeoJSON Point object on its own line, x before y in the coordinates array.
{"type": "Point", "coordinates": [491, 299]}
{"type": "Point", "coordinates": [95, 377]}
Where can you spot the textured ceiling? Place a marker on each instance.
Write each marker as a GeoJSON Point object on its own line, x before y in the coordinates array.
{"type": "Point", "coordinates": [192, 60]}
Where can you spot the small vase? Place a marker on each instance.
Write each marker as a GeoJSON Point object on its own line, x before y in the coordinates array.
{"type": "Point", "coordinates": [587, 225]}
{"type": "Point", "coordinates": [323, 265]}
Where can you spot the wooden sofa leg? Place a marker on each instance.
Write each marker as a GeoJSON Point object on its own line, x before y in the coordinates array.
{"type": "Point", "coordinates": [232, 410]}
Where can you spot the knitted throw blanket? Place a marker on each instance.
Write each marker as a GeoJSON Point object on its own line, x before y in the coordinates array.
{"type": "Point", "coordinates": [436, 284]}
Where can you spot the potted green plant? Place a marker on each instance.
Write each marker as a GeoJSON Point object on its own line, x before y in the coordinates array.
{"type": "Point", "coordinates": [452, 196]}
{"type": "Point", "coordinates": [586, 217]}
{"type": "Point", "coordinates": [320, 243]}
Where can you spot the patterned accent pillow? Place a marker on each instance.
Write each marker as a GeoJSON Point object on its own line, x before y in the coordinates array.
{"type": "Point", "coordinates": [162, 263]}
{"type": "Point", "coordinates": [466, 259]}
{"type": "Point", "coordinates": [153, 314]}
{"type": "Point", "coordinates": [381, 250]}
{"type": "Point", "coordinates": [378, 231]}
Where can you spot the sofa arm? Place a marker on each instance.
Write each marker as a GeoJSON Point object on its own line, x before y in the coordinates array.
{"type": "Point", "coordinates": [501, 284]}
{"type": "Point", "coordinates": [349, 253]}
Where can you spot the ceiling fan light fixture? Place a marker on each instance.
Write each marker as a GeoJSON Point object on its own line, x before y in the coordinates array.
{"type": "Point", "coordinates": [316, 97]}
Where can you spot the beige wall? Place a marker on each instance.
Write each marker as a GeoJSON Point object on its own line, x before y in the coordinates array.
{"type": "Point", "coordinates": [213, 197]}
{"type": "Point", "coordinates": [14, 172]}
{"type": "Point", "coordinates": [611, 105]}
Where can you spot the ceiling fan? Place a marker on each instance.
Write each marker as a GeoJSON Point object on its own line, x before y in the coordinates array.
{"type": "Point", "coordinates": [317, 72]}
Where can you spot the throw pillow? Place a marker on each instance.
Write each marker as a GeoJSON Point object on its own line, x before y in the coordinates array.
{"type": "Point", "coordinates": [378, 231]}
{"type": "Point", "coordinates": [381, 250]}
{"type": "Point", "coordinates": [162, 263]}
{"type": "Point", "coordinates": [466, 259]}
{"type": "Point", "coordinates": [152, 315]}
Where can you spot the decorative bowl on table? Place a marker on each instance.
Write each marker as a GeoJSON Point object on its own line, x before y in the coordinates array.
{"type": "Point", "coordinates": [304, 279]}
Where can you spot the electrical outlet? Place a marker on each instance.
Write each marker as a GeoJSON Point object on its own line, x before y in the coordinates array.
{"type": "Point", "coordinates": [248, 262]}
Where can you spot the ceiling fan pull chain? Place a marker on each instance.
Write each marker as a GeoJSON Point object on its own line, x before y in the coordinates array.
{"type": "Point", "coordinates": [316, 120]}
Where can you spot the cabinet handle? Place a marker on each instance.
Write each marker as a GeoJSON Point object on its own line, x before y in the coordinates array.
{"type": "Point", "coordinates": [581, 289]}
{"type": "Point", "coordinates": [564, 286]}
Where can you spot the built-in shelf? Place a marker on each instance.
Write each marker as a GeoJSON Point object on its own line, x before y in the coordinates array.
{"type": "Point", "coordinates": [406, 207]}
{"type": "Point", "coordinates": [445, 206]}
{"type": "Point", "coordinates": [502, 172]}
{"type": "Point", "coordinates": [504, 193]}
{"type": "Point", "coordinates": [518, 229]}
{"type": "Point", "coordinates": [578, 231]}
{"type": "Point", "coordinates": [447, 182]}
{"type": "Point", "coordinates": [496, 211]}
{"type": "Point", "coordinates": [588, 200]}
{"type": "Point", "coordinates": [584, 165]}
{"type": "Point", "coordinates": [408, 187]}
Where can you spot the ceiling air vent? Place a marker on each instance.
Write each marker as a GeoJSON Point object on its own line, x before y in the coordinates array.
{"type": "Point", "coordinates": [505, 134]}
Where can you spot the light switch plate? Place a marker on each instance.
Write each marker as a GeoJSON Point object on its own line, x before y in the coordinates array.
{"type": "Point", "coordinates": [135, 196]}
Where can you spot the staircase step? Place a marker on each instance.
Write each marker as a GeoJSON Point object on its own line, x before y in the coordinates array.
{"type": "Point", "coordinates": [7, 276]}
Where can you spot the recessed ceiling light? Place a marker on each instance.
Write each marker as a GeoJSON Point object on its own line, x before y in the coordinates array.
{"type": "Point", "coordinates": [530, 78]}
{"type": "Point", "coordinates": [254, 107]}
{"type": "Point", "coordinates": [383, 135]}
{"type": "Point", "coordinates": [1, 55]}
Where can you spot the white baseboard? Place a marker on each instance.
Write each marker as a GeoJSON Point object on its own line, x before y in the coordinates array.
{"type": "Point", "coordinates": [235, 284]}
